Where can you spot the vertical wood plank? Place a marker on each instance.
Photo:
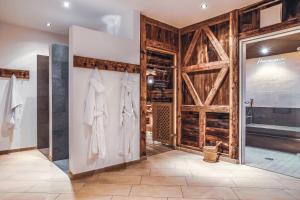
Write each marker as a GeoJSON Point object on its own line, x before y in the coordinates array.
{"type": "Point", "coordinates": [202, 128]}
{"type": "Point", "coordinates": [179, 92]}
{"type": "Point", "coordinates": [143, 89]}
{"type": "Point", "coordinates": [233, 86]}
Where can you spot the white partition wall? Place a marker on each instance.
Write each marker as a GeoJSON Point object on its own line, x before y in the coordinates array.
{"type": "Point", "coordinates": [101, 45]}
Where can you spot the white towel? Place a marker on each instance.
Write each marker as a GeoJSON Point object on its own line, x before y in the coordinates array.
{"type": "Point", "coordinates": [14, 104]}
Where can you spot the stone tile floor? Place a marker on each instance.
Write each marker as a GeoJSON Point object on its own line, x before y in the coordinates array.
{"type": "Point", "coordinates": [173, 175]}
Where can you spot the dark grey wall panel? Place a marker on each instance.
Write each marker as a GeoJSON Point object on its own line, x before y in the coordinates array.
{"type": "Point", "coordinates": [42, 102]}
{"type": "Point", "coordinates": [60, 113]}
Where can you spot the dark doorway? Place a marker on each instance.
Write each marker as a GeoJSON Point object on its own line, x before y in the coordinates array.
{"type": "Point", "coordinates": [43, 104]}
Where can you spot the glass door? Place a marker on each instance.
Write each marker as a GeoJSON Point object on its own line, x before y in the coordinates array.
{"type": "Point", "coordinates": [270, 103]}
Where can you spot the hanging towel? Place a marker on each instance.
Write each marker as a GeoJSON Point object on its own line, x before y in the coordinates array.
{"type": "Point", "coordinates": [13, 105]}
{"type": "Point", "coordinates": [96, 116]}
{"type": "Point", "coordinates": [128, 116]}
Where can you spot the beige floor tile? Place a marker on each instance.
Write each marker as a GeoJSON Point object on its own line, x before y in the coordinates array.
{"type": "Point", "coordinates": [57, 187]}
{"type": "Point", "coordinates": [137, 198]}
{"type": "Point", "coordinates": [82, 197]}
{"type": "Point", "coordinates": [257, 182]}
{"type": "Point", "coordinates": [209, 172]}
{"type": "Point", "coordinates": [208, 192]}
{"type": "Point", "coordinates": [156, 191]}
{"type": "Point", "coordinates": [105, 189]}
{"type": "Point", "coordinates": [262, 194]}
{"type": "Point", "coordinates": [294, 193]}
{"type": "Point", "coordinates": [163, 180]}
{"type": "Point", "coordinates": [170, 172]}
{"type": "Point", "coordinates": [190, 199]}
{"type": "Point", "coordinates": [112, 179]}
{"type": "Point", "coordinates": [127, 172]}
{"type": "Point", "coordinates": [209, 181]}
{"type": "Point", "coordinates": [16, 186]}
{"type": "Point", "coordinates": [291, 184]}
{"type": "Point", "coordinates": [28, 196]}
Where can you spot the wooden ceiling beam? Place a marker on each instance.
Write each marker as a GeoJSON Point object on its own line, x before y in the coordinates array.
{"type": "Point", "coordinates": [191, 89]}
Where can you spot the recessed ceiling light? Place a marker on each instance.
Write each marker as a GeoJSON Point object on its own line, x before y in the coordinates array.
{"type": "Point", "coordinates": [48, 24]}
{"type": "Point", "coordinates": [66, 4]}
{"type": "Point", "coordinates": [265, 50]}
{"type": "Point", "coordinates": [204, 5]}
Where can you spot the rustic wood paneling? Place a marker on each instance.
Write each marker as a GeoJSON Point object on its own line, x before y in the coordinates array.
{"type": "Point", "coordinates": [205, 52]}
{"type": "Point", "coordinates": [7, 73]}
{"type": "Point", "coordinates": [85, 62]}
{"type": "Point", "coordinates": [249, 17]}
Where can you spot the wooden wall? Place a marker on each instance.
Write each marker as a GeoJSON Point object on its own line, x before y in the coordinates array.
{"type": "Point", "coordinates": [249, 17]}
{"type": "Point", "coordinates": [209, 95]}
{"type": "Point", "coordinates": [207, 73]}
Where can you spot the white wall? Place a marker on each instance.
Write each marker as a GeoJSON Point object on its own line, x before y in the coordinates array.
{"type": "Point", "coordinates": [89, 43]}
{"type": "Point", "coordinates": [19, 48]}
{"type": "Point", "coordinates": [274, 81]}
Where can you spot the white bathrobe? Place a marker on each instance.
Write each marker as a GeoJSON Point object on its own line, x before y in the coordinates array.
{"type": "Point", "coordinates": [96, 116]}
{"type": "Point", "coordinates": [128, 116]}
{"type": "Point", "coordinates": [13, 105]}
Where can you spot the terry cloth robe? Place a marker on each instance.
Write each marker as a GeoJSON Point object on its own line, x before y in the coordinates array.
{"type": "Point", "coordinates": [13, 105]}
{"type": "Point", "coordinates": [96, 116]}
{"type": "Point", "coordinates": [128, 115]}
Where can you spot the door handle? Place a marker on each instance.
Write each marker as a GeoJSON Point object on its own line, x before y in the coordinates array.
{"type": "Point", "coordinates": [251, 102]}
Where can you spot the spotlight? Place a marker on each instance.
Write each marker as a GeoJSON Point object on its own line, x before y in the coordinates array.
{"type": "Point", "coordinates": [204, 5]}
{"type": "Point", "coordinates": [48, 24]}
{"type": "Point", "coordinates": [66, 4]}
{"type": "Point", "coordinates": [265, 50]}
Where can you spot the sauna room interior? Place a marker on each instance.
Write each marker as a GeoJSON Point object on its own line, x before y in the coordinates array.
{"type": "Point", "coordinates": [155, 100]}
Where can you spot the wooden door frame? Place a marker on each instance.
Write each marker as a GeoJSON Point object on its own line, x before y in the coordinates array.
{"type": "Point", "coordinates": [144, 84]}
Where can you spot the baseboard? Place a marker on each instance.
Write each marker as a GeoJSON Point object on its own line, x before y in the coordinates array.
{"type": "Point", "coordinates": [110, 168]}
{"type": "Point", "coordinates": [16, 150]}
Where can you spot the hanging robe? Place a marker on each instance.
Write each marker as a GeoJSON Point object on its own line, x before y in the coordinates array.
{"type": "Point", "coordinates": [13, 105]}
{"type": "Point", "coordinates": [128, 116]}
{"type": "Point", "coordinates": [96, 116]}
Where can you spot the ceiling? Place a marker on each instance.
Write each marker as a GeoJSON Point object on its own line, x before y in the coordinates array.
{"type": "Point", "coordinates": [179, 13]}
{"type": "Point", "coordinates": [282, 45]}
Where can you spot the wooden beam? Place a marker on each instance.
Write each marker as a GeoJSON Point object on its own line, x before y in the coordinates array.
{"type": "Point", "coordinates": [205, 66]}
{"type": "Point", "coordinates": [217, 45]}
{"type": "Point", "coordinates": [161, 45]}
{"type": "Point", "coordinates": [234, 86]}
{"type": "Point", "coordinates": [270, 29]}
{"type": "Point", "coordinates": [179, 93]}
{"type": "Point", "coordinates": [191, 48]}
{"type": "Point", "coordinates": [191, 89]}
{"type": "Point", "coordinates": [220, 78]}
{"type": "Point", "coordinates": [143, 89]}
{"type": "Point", "coordinates": [92, 63]}
{"type": "Point", "coordinates": [213, 108]}
{"type": "Point", "coordinates": [7, 73]}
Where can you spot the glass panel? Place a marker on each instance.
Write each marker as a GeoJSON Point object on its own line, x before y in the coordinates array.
{"type": "Point", "coordinates": [272, 104]}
